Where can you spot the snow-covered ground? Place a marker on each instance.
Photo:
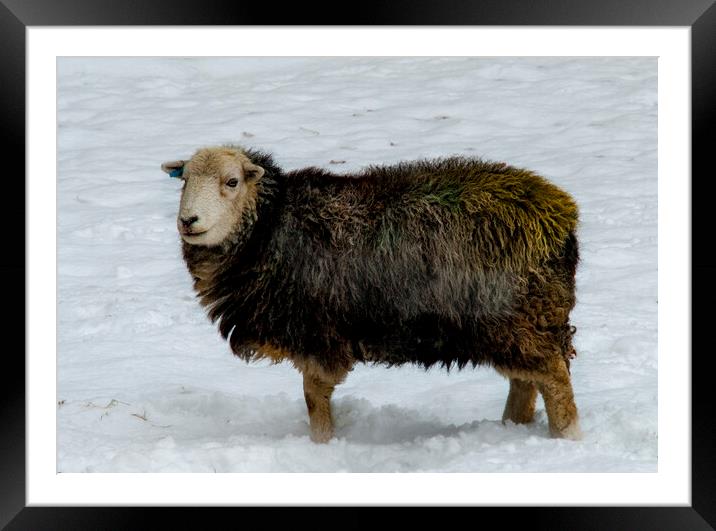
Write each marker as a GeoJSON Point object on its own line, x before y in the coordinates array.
{"type": "Point", "coordinates": [146, 384]}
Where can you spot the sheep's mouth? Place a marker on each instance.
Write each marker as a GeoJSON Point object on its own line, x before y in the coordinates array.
{"type": "Point", "coordinates": [193, 234]}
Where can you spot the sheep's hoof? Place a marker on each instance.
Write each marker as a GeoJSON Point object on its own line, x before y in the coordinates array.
{"type": "Point", "coordinates": [518, 418]}
{"type": "Point", "coordinates": [571, 432]}
{"type": "Point", "coordinates": [321, 437]}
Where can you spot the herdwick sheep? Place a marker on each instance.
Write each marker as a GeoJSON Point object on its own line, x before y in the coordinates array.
{"type": "Point", "coordinates": [453, 261]}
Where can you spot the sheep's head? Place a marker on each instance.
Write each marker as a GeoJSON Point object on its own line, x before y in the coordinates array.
{"type": "Point", "coordinates": [219, 184]}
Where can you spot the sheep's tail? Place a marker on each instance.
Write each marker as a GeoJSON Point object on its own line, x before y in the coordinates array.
{"type": "Point", "coordinates": [568, 350]}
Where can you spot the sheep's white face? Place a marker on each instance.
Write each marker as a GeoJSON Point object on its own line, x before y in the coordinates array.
{"type": "Point", "coordinates": [218, 184]}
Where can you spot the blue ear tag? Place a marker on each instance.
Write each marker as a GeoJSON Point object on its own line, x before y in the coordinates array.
{"type": "Point", "coordinates": [178, 172]}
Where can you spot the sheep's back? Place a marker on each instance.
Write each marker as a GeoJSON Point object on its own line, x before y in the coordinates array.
{"type": "Point", "coordinates": [453, 235]}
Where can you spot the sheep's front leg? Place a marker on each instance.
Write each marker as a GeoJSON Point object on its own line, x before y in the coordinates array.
{"type": "Point", "coordinates": [318, 387]}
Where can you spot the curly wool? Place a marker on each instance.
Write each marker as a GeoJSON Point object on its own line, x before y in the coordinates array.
{"type": "Point", "coordinates": [449, 261]}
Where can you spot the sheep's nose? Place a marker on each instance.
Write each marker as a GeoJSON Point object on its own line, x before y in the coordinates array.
{"type": "Point", "coordinates": [188, 222]}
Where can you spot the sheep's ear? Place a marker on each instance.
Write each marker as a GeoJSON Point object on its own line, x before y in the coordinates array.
{"type": "Point", "coordinates": [174, 168]}
{"type": "Point", "coordinates": [252, 172]}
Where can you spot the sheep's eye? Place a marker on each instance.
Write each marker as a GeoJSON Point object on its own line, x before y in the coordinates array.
{"type": "Point", "coordinates": [232, 183]}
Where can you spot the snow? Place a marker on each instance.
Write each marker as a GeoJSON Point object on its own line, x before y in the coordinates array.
{"type": "Point", "coordinates": [146, 384]}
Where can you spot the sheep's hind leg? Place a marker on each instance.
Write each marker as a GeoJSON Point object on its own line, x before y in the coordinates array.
{"type": "Point", "coordinates": [553, 382]}
{"type": "Point", "coordinates": [318, 387]}
{"type": "Point", "coordinates": [556, 389]}
{"type": "Point", "coordinates": [520, 405]}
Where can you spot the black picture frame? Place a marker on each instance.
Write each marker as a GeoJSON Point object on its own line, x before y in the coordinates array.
{"type": "Point", "coordinates": [699, 15]}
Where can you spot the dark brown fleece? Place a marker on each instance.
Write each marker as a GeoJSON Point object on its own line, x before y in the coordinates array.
{"type": "Point", "coordinates": [450, 261]}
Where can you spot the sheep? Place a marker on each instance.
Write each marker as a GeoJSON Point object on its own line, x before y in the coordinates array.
{"type": "Point", "coordinates": [452, 261]}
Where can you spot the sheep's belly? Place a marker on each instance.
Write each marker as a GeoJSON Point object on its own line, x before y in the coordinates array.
{"type": "Point", "coordinates": [427, 344]}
